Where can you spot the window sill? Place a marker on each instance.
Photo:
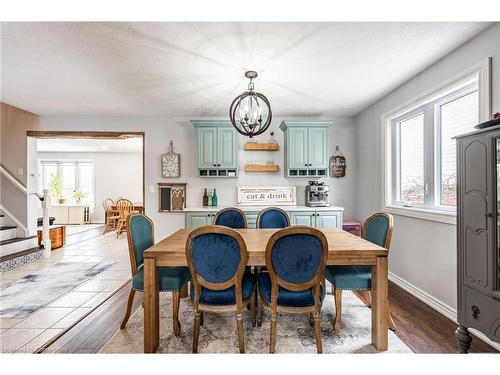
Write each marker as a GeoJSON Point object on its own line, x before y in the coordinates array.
{"type": "Point", "coordinates": [424, 214]}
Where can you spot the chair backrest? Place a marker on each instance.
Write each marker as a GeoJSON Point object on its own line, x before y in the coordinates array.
{"type": "Point", "coordinates": [217, 257]}
{"type": "Point", "coordinates": [273, 217]}
{"type": "Point", "coordinates": [231, 217]}
{"type": "Point", "coordinates": [108, 204]}
{"type": "Point", "coordinates": [140, 236]}
{"type": "Point", "coordinates": [378, 229]}
{"type": "Point", "coordinates": [124, 207]}
{"type": "Point", "coordinates": [296, 258]}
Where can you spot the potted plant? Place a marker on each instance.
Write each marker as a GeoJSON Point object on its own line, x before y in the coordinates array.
{"type": "Point", "coordinates": [78, 195]}
{"type": "Point", "coordinates": [55, 188]}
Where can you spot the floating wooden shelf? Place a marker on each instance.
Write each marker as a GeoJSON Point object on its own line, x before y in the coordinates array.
{"type": "Point", "coordinates": [262, 168]}
{"type": "Point", "coordinates": [253, 146]}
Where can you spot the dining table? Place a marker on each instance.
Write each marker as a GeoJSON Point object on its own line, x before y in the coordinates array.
{"type": "Point", "coordinates": [344, 248]}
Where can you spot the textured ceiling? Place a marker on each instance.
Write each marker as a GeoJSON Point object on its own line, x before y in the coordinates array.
{"type": "Point", "coordinates": [196, 69]}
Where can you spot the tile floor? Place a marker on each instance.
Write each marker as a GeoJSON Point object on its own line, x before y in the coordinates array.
{"type": "Point", "coordinates": [28, 334]}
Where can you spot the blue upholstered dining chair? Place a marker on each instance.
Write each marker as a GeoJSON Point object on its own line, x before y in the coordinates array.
{"type": "Point", "coordinates": [217, 257]}
{"type": "Point", "coordinates": [295, 259]}
{"type": "Point", "coordinates": [140, 235]}
{"type": "Point", "coordinates": [273, 217]}
{"type": "Point", "coordinates": [378, 230]}
{"type": "Point", "coordinates": [231, 217]}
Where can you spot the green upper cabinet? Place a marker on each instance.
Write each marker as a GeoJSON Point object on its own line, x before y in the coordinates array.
{"type": "Point", "coordinates": [207, 147]}
{"type": "Point", "coordinates": [306, 147]}
{"type": "Point", "coordinates": [297, 141]}
{"type": "Point", "coordinates": [216, 148]}
{"type": "Point", "coordinates": [227, 148]}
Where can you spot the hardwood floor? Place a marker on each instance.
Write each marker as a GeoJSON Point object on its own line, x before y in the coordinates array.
{"type": "Point", "coordinates": [420, 327]}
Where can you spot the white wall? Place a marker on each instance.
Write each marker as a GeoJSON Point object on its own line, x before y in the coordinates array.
{"type": "Point", "coordinates": [116, 174]}
{"type": "Point", "coordinates": [423, 253]}
{"type": "Point", "coordinates": [158, 132]}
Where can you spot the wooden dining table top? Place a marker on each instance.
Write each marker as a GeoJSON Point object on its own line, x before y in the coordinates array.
{"type": "Point", "coordinates": [342, 246]}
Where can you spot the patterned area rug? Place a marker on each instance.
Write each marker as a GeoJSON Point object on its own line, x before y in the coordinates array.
{"type": "Point", "coordinates": [22, 297]}
{"type": "Point", "coordinates": [218, 334]}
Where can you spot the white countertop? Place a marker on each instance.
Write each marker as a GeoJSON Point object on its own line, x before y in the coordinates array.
{"type": "Point", "coordinates": [260, 208]}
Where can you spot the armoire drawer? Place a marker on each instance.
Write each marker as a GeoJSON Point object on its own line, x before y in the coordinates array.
{"type": "Point", "coordinates": [481, 312]}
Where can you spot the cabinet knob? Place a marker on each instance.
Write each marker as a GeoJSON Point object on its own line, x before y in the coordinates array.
{"type": "Point", "coordinates": [305, 165]}
{"type": "Point", "coordinates": [488, 214]}
{"type": "Point", "coordinates": [475, 311]}
{"type": "Point", "coordinates": [215, 165]}
{"type": "Point", "coordinates": [310, 165]}
{"type": "Point", "coordinates": [218, 165]}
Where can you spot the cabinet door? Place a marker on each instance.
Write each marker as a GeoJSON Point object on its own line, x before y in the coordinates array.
{"type": "Point", "coordinates": [76, 214]}
{"type": "Point", "coordinates": [297, 147]}
{"type": "Point", "coordinates": [227, 149]}
{"type": "Point", "coordinates": [476, 218]}
{"type": "Point", "coordinates": [198, 219]}
{"type": "Point", "coordinates": [318, 147]}
{"type": "Point", "coordinates": [207, 147]}
{"type": "Point", "coordinates": [303, 218]}
{"type": "Point", "coordinates": [251, 219]}
{"type": "Point", "coordinates": [328, 220]}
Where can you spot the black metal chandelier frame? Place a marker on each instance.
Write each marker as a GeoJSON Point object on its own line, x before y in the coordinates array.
{"type": "Point", "coordinates": [242, 125]}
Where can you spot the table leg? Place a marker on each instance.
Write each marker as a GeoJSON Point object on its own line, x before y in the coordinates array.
{"type": "Point", "coordinates": [380, 304]}
{"type": "Point", "coordinates": [151, 306]}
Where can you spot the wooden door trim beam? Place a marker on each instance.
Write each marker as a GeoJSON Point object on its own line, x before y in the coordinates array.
{"type": "Point", "coordinates": [84, 134]}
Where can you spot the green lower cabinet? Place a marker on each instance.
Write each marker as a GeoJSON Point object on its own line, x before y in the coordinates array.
{"type": "Point", "coordinates": [318, 219]}
{"type": "Point", "coordinates": [198, 219]}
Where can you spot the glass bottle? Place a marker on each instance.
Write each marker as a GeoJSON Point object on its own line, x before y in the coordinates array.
{"type": "Point", "coordinates": [205, 198]}
{"type": "Point", "coordinates": [214, 198]}
{"type": "Point", "coordinates": [209, 199]}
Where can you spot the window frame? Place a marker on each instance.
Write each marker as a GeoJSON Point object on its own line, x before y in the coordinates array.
{"type": "Point", "coordinates": [428, 102]}
{"type": "Point", "coordinates": [76, 163]}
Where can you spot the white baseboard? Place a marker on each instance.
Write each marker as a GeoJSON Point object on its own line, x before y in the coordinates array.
{"type": "Point", "coordinates": [436, 304]}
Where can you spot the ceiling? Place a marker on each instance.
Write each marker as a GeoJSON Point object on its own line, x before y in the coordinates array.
{"type": "Point", "coordinates": [196, 69]}
{"type": "Point", "coordinates": [89, 145]}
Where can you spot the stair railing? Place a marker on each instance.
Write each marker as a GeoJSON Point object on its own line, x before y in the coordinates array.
{"type": "Point", "coordinates": [45, 201]}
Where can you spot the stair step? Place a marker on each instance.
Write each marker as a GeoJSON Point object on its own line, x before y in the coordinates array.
{"type": "Point", "coordinates": [8, 232]}
{"type": "Point", "coordinates": [5, 227]}
{"type": "Point", "coordinates": [19, 254]}
{"type": "Point", "coordinates": [15, 245]}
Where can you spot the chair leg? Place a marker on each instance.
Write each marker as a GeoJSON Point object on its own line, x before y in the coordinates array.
{"type": "Point", "coordinates": [202, 314]}
{"type": "Point", "coordinates": [106, 227]}
{"type": "Point", "coordinates": [184, 291]}
{"type": "Point", "coordinates": [260, 310]}
{"type": "Point", "coordinates": [338, 309]}
{"type": "Point", "coordinates": [311, 319]}
{"type": "Point", "coordinates": [196, 331]}
{"type": "Point", "coordinates": [241, 333]}
{"type": "Point", "coordinates": [392, 325]}
{"type": "Point", "coordinates": [129, 308]}
{"type": "Point", "coordinates": [317, 332]}
{"type": "Point", "coordinates": [254, 308]}
{"type": "Point", "coordinates": [272, 346]}
{"type": "Point", "coordinates": [365, 296]}
{"type": "Point", "coordinates": [176, 299]}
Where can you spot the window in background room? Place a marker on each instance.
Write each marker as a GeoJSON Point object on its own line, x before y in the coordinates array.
{"type": "Point", "coordinates": [74, 176]}
{"type": "Point", "coordinates": [422, 156]}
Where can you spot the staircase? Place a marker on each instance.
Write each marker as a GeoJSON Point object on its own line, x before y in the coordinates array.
{"type": "Point", "coordinates": [12, 246]}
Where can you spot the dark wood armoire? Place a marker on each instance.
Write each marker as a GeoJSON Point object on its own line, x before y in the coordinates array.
{"type": "Point", "coordinates": [478, 235]}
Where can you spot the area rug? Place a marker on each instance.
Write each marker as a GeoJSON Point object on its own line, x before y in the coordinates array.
{"type": "Point", "coordinates": [22, 297]}
{"type": "Point", "coordinates": [218, 333]}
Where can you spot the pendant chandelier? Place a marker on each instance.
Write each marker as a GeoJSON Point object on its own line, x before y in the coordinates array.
{"type": "Point", "coordinates": [250, 112]}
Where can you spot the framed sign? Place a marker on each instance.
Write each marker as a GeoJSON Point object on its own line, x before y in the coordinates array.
{"type": "Point", "coordinates": [263, 195]}
{"type": "Point", "coordinates": [171, 197]}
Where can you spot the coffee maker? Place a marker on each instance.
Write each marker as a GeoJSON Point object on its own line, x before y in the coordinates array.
{"type": "Point", "coordinates": [317, 194]}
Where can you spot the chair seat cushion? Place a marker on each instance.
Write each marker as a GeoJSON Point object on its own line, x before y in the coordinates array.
{"type": "Point", "coordinates": [170, 278]}
{"type": "Point", "coordinates": [350, 277]}
{"type": "Point", "coordinates": [286, 297]}
{"type": "Point", "coordinates": [226, 296]}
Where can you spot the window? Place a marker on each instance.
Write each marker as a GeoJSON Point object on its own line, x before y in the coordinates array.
{"type": "Point", "coordinates": [420, 154]}
{"type": "Point", "coordinates": [72, 176]}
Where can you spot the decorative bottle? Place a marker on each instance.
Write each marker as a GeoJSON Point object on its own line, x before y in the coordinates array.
{"type": "Point", "coordinates": [209, 198]}
{"type": "Point", "coordinates": [214, 198]}
{"type": "Point", "coordinates": [205, 198]}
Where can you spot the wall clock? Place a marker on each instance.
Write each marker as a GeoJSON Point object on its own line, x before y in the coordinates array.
{"type": "Point", "coordinates": [171, 163]}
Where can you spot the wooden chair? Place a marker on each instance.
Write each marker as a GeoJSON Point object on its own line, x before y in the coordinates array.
{"type": "Point", "coordinates": [124, 208]}
{"type": "Point", "coordinates": [140, 237]}
{"type": "Point", "coordinates": [217, 257]}
{"type": "Point", "coordinates": [273, 217]}
{"type": "Point", "coordinates": [231, 217]}
{"type": "Point", "coordinates": [378, 230]}
{"type": "Point", "coordinates": [295, 259]}
{"type": "Point", "coordinates": [110, 215]}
